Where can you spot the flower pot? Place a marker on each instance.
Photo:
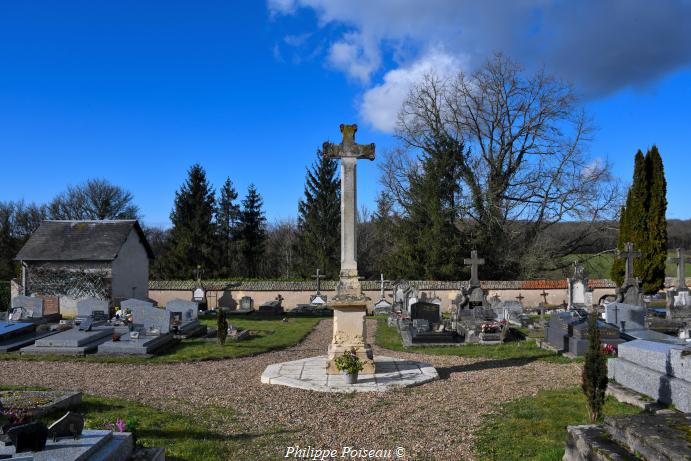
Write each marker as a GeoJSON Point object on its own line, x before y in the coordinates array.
{"type": "Point", "coordinates": [349, 378]}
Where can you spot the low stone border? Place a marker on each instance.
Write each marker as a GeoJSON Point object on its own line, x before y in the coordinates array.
{"type": "Point", "coordinates": [61, 401]}
{"type": "Point", "coordinates": [310, 374]}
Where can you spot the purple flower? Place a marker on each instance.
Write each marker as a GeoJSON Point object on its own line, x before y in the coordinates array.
{"type": "Point", "coordinates": [120, 424]}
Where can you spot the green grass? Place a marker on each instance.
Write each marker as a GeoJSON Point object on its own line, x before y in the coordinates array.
{"type": "Point", "coordinates": [268, 334]}
{"type": "Point", "coordinates": [599, 266]}
{"type": "Point", "coordinates": [388, 338]}
{"type": "Point", "coordinates": [534, 428]}
{"type": "Point", "coordinates": [200, 437]}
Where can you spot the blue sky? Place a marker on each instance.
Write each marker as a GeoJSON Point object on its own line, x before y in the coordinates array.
{"type": "Point", "coordinates": [136, 92]}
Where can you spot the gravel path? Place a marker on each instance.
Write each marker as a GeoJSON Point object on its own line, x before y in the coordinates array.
{"type": "Point", "coordinates": [434, 421]}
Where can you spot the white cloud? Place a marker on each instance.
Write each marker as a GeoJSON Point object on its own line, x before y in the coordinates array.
{"type": "Point", "coordinates": [356, 56]}
{"type": "Point", "coordinates": [381, 104]}
{"type": "Point", "coordinates": [278, 7]}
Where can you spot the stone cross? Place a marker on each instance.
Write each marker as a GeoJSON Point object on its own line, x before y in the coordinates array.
{"type": "Point", "coordinates": [474, 262]}
{"type": "Point", "coordinates": [544, 295]}
{"type": "Point", "coordinates": [520, 298]}
{"type": "Point", "coordinates": [680, 261]}
{"type": "Point", "coordinates": [319, 281]}
{"type": "Point", "coordinates": [382, 286]}
{"type": "Point", "coordinates": [629, 254]}
{"type": "Point", "coordinates": [349, 152]}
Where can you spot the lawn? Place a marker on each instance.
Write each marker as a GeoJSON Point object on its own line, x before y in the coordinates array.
{"type": "Point", "coordinates": [268, 333]}
{"type": "Point", "coordinates": [534, 428]}
{"type": "Point", "coordinates": [200, 437]}
{"type": "Point", "coordinates": [388, 338]}
{"type": "Point", "coordinates": [599, 266]}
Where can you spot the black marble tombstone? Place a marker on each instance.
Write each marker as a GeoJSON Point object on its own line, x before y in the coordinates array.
{"type": "Point", "coordinates": [28, 437]}
{"type": "Point", "coordinates": [426, 311]}
{"type": "Point", "coordinates": [70, 425]}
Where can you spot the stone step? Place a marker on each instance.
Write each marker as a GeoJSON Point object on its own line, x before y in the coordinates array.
{"type": "Point", "coordinates": [593, 443]}
{"type": "Point", "coordinates": [655, 437]}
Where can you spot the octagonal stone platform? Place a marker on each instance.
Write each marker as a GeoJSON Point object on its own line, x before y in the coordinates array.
{"type": "Point", "coordinates": [390, 373]}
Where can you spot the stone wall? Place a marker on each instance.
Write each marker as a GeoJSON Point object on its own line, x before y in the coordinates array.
{"type": "Point", "coordinates": [228, 294]}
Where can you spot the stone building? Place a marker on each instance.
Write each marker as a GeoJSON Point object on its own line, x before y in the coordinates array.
{"type": "Point", "coordinates": [73, 260]}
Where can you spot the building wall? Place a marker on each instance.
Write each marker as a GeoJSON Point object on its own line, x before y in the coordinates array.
{"type": "Point", "coordinates": [131, 270]}
{"type": "Point", "coordinates": [228, 298]}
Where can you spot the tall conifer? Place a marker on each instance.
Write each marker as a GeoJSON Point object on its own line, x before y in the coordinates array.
{"type": "Point", "coordinates": [252, 232]}
{"type": "Point", "coordinates": [191, 241]}
{"type": "Point", "coordinates": [319, 217]}
{"type": "Point", "coordinates": [227, 227]}
{"type": "Point", "coordinates": [655, 259]}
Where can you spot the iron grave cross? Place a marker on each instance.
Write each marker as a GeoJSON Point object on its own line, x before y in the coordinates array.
{"type": "Point", "coordinates": [474, 262]}
{"type": "Point", "coordinates": [629, 254]}
{"type": "Point", "coordinates": [349, 152]}
{"type": "Point", "coordinates": [680, 261]}
{"type": "Point", "coordinates": [319, 278]}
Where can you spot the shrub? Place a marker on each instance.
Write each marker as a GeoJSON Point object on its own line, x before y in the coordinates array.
{"type": "Point", "coordinates": [594, 377]}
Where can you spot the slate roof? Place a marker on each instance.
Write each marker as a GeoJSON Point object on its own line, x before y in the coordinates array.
{"type": "Point", "coordinates": [80, 241]}
{"type": "Point", "coordinates": [368, 285]}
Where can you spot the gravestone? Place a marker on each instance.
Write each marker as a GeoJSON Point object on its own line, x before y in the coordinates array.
{"type": "Point", "coordinates": [33, 307]}
{"type": "Point", "coordinates": [151, 321]}
{"type": "Point", "coordinates": [70, 425]}
{"type": "Point", "coordinates": [28, 437]}
{"type": "Point", "coordinates": [426, 310]}
{"type": "Point", "coordinates": [132, 302]}
{"type": "Point", "coordinates": [580, 338]}
{"type": "Point", "coordinates": [679, 298]}
{"type": "Point", "coordinates": [274, 307]}
{"type": "Point", "coordinates": [632, 316]}
{"type": "Point", "coordinates": [87, 307]}
{"type": "Point", "coordinates": [630, 291]}
{"type": "Point", "coordinates": [577, 288]}
{"type": "Point", "coordinates": [184, 318]}
{"type": "Point", "coordinates": [246, 304]}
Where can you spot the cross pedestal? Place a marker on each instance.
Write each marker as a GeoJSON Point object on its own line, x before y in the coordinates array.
{"type": "Point", "coordinates": [349, 304]}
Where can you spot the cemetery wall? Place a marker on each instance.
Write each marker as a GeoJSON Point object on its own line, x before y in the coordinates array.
{"type": "Point", "coordinates": [227, 294]}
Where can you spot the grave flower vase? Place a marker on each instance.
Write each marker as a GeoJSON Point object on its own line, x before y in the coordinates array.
{"type": "Point", "coordinates": [350, 378]}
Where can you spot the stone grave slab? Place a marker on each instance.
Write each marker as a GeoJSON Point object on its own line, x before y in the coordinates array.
{"type": "Point", "coordinates": [14, 336]}
{"type": "Point", "coordinates": [91, 445]}
{"type": "Point", "coordinates": [151, 319]}
{"type": "Point", "coordinates": [71, 342]}
{"type": "Point", "coordinates": [87, 307]}
{"type": "Point", "coordinates": [143, 345]}
{"type": "Point", "coordinates": [39, 403]}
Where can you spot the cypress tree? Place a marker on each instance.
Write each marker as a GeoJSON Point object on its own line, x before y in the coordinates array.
{"type": "Point", "coordinates": [643, 222]}
{"type": "Point", "coordinates": [633, 220]}
{"type": "Point", "coordinates": [655, 258]}
{"type": "Point", "coordinates": [252, 232]}
{"type": "Point", "coordinates": [594, 375]}
{"type": "Point", "coordinates": [221, 326]}
{"type": "Point", "coordinates": [319, 218]}
{"type": "Point", "coordinates": [227, 224]}
{"type": "Point", "coordinates": [191, 241]}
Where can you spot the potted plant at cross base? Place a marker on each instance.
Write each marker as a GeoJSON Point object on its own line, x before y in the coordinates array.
{"type": "Point", "coordinates": [350, 365]}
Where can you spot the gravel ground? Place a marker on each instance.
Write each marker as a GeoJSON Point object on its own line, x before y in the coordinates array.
{"type": "Point", "coordinates": [434, 421]}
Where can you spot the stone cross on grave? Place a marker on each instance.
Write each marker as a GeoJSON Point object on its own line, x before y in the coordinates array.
{"type": "Point", "coordinates": [629, 254]}
{"type": "Point", "coordinates": [520, 298]}
{"type": "Point", "coordinates": [544, 295]}
{"type": "Point", "coordinates": [382, 286]}
{"type": "Point", "coordinates": [319, 281]}
{"type": "Point", "coordinates": [349, 153]}
{"type": "Point", "coordinates": [474, 262]}
{"type": "Point", "coordinates": [680, 261]}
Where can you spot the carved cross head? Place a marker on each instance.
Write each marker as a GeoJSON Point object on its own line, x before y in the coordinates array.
{"type": "Point", "coordinates": [348, 147]}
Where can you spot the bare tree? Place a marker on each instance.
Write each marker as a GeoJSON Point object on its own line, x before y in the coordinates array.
{"type": "Point", "coordinates": [519, 143]}
{"type": "Point", "coordinates": [95, 199]}
{"type": "Point", "coordinates": [280, 259]}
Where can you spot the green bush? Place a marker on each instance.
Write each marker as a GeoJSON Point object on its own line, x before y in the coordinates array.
{"type": "Point", "coordinates": [4, 295]}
